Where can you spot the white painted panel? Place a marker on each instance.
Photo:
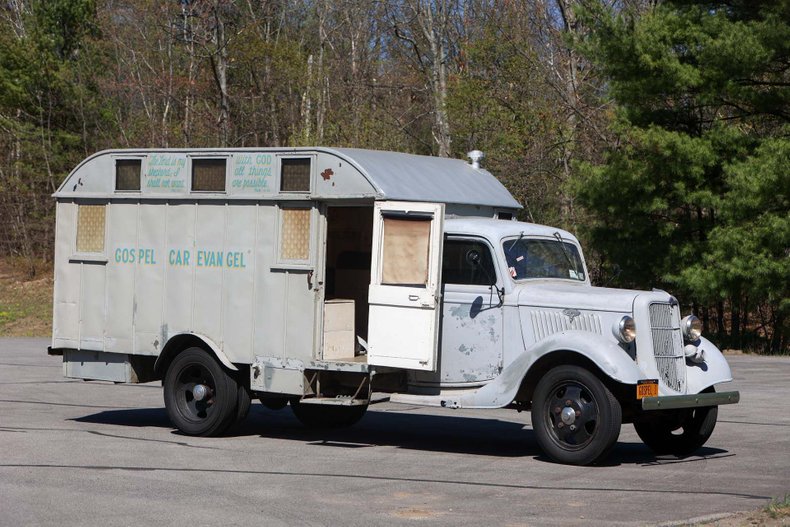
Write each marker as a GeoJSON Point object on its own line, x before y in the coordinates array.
{"type": "Point", "coordinates": [122, 239]}
{"type": "Point", "coordinates": [252, 173]}
{"type": "Point", "coordinates": [299, 307]}
{"type": "Point", "coordinates": [402, 337]}
{"type": "Point", "coordinates": [339, 178]}
{"type": "Point", "coordinates": [238, 286]}
{"type": "Point", "coordinates": [404, 319]}
{"type": "Point", "coordinates": [66, 315]}
{"type": "Point", "coordinates": [207, 306]}
{"type": "Point", "coordinates": [166, 172]}
{"type": "Point", "coordinates": [179, 267]}
{"type": "Point", "coordinates": [269, 316]}
{"type": "Point", "coordinates": [472, 334]}
{"type": "Point", "coordinates": [92, 306]}
{"type": "Point", "coordinates": [149, 276]}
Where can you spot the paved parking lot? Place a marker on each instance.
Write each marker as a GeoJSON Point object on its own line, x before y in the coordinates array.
{"type": "Point", "coordinates": [96, 453]}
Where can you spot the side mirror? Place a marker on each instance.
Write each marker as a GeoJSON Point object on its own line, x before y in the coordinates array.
{"type": "Point", "coordinates": [475, 261]}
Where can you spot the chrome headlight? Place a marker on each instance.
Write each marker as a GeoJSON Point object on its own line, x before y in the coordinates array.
{"type": "Point", "coordinates": [692, 328]}
{"type": "Point", "coordinates": [625, 330]}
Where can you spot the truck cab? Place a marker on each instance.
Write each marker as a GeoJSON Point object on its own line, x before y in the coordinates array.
{"type": "Point", "coordinates": [522, 326]}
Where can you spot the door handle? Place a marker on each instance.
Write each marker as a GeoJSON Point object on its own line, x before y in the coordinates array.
{"type": "Point", "coordinates": [414, 298]}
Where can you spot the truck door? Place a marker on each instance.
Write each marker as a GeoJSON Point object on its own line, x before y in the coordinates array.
{"type": "Point", "coordinates": [405, 285]}
{"type": "Point", "coordinates": [472, 315]}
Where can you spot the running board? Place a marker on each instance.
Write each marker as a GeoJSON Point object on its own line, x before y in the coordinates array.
{"type": "Point", "coordinates": [334, 401]}
{"type": "Point", "coordinates": [441, 400]}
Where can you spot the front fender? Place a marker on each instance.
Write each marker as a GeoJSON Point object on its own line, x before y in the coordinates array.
{"type": "Point", "coordinates": [714, 370]}
{"type": "Point", "coordinates": [607, 356]}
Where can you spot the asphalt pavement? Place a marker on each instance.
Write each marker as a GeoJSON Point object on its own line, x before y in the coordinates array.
{"type": "Point", "coordinates": [95, 453]}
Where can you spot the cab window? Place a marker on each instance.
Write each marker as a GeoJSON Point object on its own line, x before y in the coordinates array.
{"type": "Point", "coordinates": [467, 262]}
{"type": "Point", "coordinates": [539, 258]}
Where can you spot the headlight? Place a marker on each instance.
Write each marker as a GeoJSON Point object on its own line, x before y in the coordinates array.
{"type": "Point", "coordinates": [692, 328]}
{"type": "Point", "coordinates": [625, 330]}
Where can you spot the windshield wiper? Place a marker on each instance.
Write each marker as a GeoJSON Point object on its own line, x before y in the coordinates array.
{"type": "Point", "coordinates": [571, 262]}
{"type": "Point", "coordinates": [520, 235]}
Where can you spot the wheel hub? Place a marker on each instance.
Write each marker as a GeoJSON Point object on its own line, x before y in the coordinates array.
{"type": "Point", "coordinates": [200, 392]}
{"type": "Point", "coordinates": [568, 415]}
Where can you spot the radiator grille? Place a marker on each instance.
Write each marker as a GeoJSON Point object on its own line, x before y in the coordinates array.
{"type": "Point", "coordinates": [668, 345]}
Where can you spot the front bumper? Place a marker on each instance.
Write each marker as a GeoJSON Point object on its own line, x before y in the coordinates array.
{"type": "Point", "coordinates": [672, 402]}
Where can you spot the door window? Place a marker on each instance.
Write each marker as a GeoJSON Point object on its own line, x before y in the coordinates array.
{"type": "Point", "coordinates": [467, 262]}
{"type": "Point", "coordinates": [406, 244]}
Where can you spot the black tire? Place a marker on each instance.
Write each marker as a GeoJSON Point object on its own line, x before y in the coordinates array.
{"type": "Point", "coordinates": [680, 432]}
{"type": "Point", "coordinates": [590, 433]}
{"type": "Point", "coordinates": [274, 403]}
{"type": "Point", "coordinates": [213, 414]}
{"type": "Point", "coordinates": [327, 415]}
{"type": "Point", "coordinates": [243, 402]}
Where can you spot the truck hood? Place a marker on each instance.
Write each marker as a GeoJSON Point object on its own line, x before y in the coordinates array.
{"type": "Point", "coordinates": [577, 296]}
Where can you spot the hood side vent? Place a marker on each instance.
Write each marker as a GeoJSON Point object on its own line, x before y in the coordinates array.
{"type": "Point", "coordinates": [546, 323]}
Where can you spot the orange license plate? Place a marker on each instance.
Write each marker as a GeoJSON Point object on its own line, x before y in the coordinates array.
{"type": "Point", "coordinates": [647, 388]}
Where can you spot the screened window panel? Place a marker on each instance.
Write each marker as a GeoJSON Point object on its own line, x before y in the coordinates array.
{"type": "Point", "coordinates": [405, 256]}
{"type": "Point", "coordinates": [127, 174]}
{"type": "Point", "coordinates": [295, 175]}
{"type": "Point", "coordinates": [90, 228]}
{"type": "Point", "coordinates": [295, 234]}
{"type": "Point", "coordinates": [208, 175]}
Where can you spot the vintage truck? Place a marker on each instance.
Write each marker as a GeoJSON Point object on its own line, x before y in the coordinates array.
{"type": "Point", "coordinates": [314, 277]}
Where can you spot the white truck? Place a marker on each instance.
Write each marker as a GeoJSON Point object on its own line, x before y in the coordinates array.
{"type": "Point", "coordinates": [312, 277]}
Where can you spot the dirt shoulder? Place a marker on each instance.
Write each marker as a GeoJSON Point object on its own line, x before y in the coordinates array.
{"type": "Point", "coordinates": [25, 300]}
{"type": "Point", "coordinates": [776, 514]}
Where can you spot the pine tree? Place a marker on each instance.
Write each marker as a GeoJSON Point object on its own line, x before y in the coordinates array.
{"type": "Point", "coordinates": [695, 195]}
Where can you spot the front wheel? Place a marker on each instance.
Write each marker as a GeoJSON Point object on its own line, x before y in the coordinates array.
{"type": "Point", "coordinates": [327, 415]}
{"type": "Point", "coordinates": [678, 433]}
{"type": "Point", "coordinates": [575, 417]}
{"type": "Point", "coordinates": [201, 398]}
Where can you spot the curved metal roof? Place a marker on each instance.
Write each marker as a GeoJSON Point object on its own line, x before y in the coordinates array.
{"type": "Point", "coordinates": [411, 177]}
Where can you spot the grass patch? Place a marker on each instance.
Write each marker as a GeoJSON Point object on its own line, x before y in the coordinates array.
{"type": "Point", "coordinates": [25, 301]}
{"type": "Point", "coordinates": [779, 507]}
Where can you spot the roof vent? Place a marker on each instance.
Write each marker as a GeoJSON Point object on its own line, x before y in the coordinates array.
{"type": "Point", "coordinates": [475, 156]}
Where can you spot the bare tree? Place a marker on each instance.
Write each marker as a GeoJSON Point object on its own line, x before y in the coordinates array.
{"type": "Point", "coordinates": [210, 27]}
{"type": "Point", "coordinates": [14, 13]}
{"type": "Point", "coordinates": [423, 27]}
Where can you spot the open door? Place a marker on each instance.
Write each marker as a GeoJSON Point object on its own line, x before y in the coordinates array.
{"type": "Point", "coordinates": [405, 285]}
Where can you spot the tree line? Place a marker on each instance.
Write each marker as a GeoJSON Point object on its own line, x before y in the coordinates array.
{"type": "Point", "coordinates": [655, 130]}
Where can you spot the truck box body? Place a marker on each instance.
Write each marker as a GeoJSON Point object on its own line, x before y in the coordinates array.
{"type": "Point", "coordinates": [235, 245]}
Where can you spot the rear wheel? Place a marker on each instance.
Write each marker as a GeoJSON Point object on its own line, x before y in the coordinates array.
{"type": "Point", "coordinates": [575, 416]}
{"type": "Point", "coordinates": [680, 432]}
{"type": "Point", "coordinates": [274, 403]}
{"type": "Point", "coordinates": [201, 397]}
{"type": "Point", "coordinates": [243, 402]}
{"type": "Point", "coordinates": [327, 415]}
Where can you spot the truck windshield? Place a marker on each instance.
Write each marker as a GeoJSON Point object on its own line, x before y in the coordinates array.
{"type": "Point", "coordinates": [530, 258]}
